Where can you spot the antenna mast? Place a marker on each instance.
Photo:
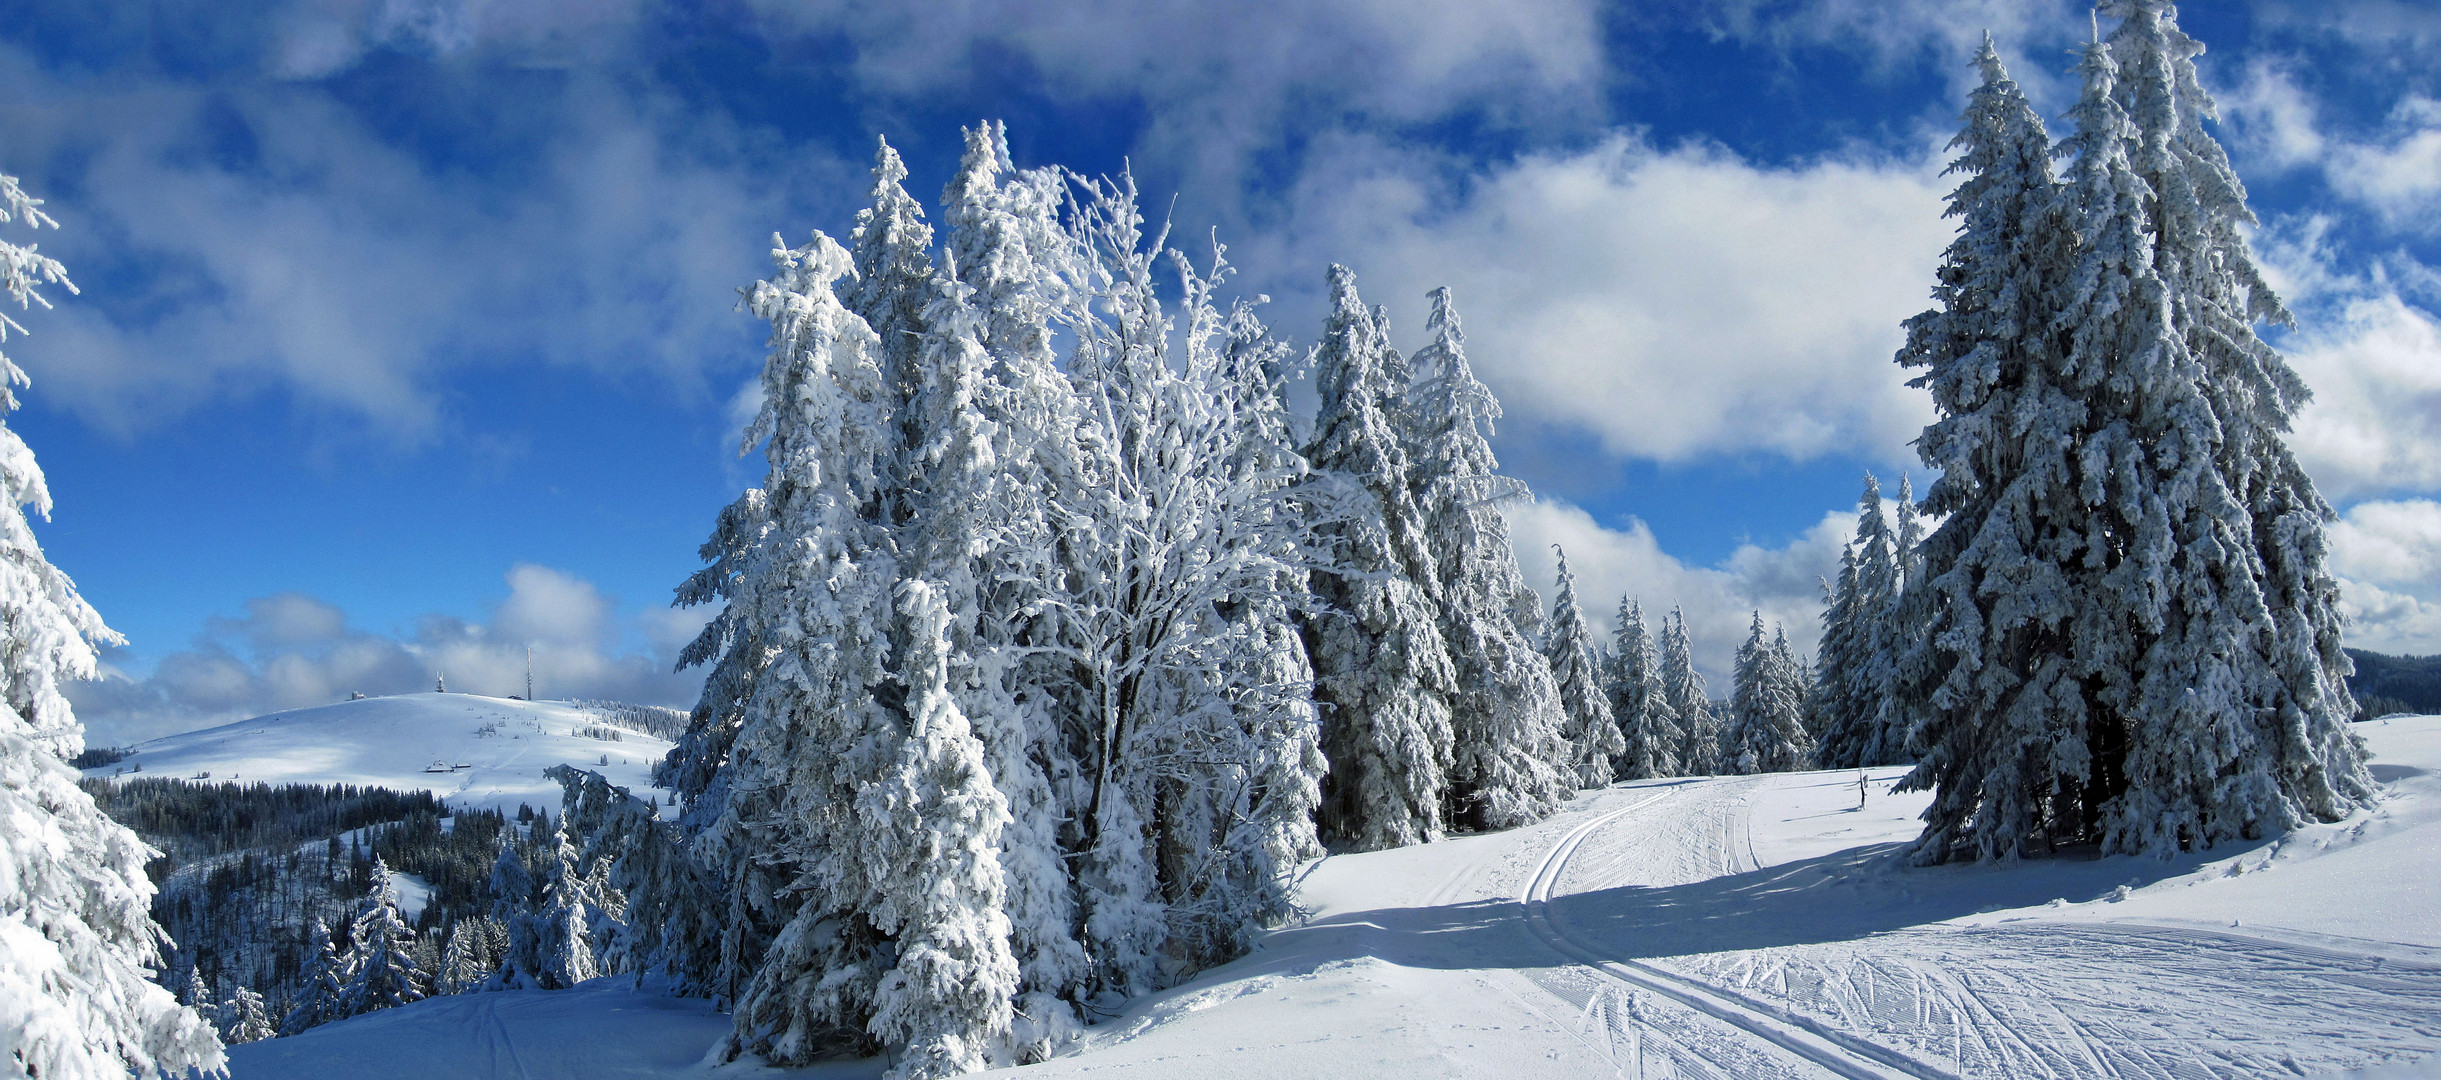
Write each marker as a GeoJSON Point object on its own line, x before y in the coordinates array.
{"type": "Point", "coordinates": [529, 671]}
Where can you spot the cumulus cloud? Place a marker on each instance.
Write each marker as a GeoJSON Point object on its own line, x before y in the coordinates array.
{"type": "Point", "coordinates": [2394, 169]}
{"type": "Point", "coordinates": [1783, 583]}
{"type": "Point", "coordinates": [290, 650]}
{"type": "Point", "coordinates": [2387, 556]}
{"type": "Point", "coordinates": [2375, 422]}
{"type": "Point", "coordinates": [1893, 35]}
{"type": "Point", "coordinates": [269, 238]}
{"type": "Point", "coordinates": [1676, 303]}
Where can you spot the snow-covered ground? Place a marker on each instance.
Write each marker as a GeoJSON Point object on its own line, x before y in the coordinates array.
{"type": "Point", "coordinates": [1736, 927]}
{"type": "Point", "coordinates": [392, 742]}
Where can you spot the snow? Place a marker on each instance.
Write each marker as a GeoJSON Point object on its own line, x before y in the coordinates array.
{"type": "Point", "coordinates": [413, 893]}
{"type": "Point", "coordinates": [602, 1030]}
{"type": "Point", "coordinates": [1756, 926]}
{"type": "Point", "coordinates": [390, 742]}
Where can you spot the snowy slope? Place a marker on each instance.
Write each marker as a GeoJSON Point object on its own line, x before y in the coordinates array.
{"type": "Point", "coordinates": [392, 741]}
{"type": "Point", "coordinates": [1730, 927]}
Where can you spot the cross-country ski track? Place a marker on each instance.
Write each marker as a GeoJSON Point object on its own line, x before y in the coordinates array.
{"type": "Point", "coordinates": [1734, 928]}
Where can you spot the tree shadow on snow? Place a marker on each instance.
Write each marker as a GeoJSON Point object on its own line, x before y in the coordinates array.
{"type": "Point", "coordinates": [1843, 896]}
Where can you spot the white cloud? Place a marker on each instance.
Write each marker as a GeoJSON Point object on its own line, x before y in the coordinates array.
{"type": "Point", "coordinates": [2271, 117]}
{"type": "Point", "coordinates": [2375, 422]}
{"type": "Point", "coordinates": [2393, 543]}
{"type": "Point", "coordinates": [2394, 170]}
{"type": "Point", "coordinates": [1892, 35]}
{"type": "Point", "coordinates": [266, 238]}
{"type": "Point", "coordinates": [1783, 583]}
{"type": "Point", "coordinates": [292, 650]}
{"type": "Point", "coordinates": [1399, 58]}
{"type": "Point", "coordinates": [1676, 303]}
{"type": "Point", "coordinates": [2399, 175]}
{"type": "Point", "coordinates": [2387, 556]}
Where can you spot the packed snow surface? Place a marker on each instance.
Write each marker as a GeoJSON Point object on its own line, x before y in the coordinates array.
{"type": "Point", "coordinates": [407, 743]}
{"type": "Point", "coordinates": [1728, 927]}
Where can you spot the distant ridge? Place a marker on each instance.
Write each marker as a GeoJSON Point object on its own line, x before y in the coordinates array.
{"type": "Point", "coordinates": [391, 742]}
{"type": "Point", "coordinates": [2385, 684]}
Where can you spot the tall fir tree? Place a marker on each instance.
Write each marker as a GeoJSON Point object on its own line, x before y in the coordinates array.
{"type": "Point", "coordinates": [1998, 696]}
{"type": "Point", "coordinates": [1592, 733]}
{"type": "Point", "coordinates": [1699, 748]}
{"type": "Point", "coordinates": [945, 1000]}
{"type": "Point", "coordinates": [2240, 727]}
{"type": "Point", "coordinates": [563, 918]}
{"type": "Point", "coordinates": [462, 965]}
{"type": "Point", "coordinates": [381, 968]}
{"type": "Point", "coordinates": [1006, 247]}
{"type": "Point", "coordinates": [1381, 667]}
{"type": "Point", "coordinates": [796, 854]}
{"type": "Point", "coordinates": [320, 985]}
{"type": "Point", "coordinates": [1509, 763]}
{"type": "Point", "coordinates": [77, 939]}
{"type": "Point", "coordinates": [1796, 681]}
{"type": "Point", "coordinates": [1648, 724]}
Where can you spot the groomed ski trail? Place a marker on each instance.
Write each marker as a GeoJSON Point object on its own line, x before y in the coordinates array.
{"type": "Point", "coordinates": [1840, 1054]}
{"type": "Point", "coordinates": [2035, 996]}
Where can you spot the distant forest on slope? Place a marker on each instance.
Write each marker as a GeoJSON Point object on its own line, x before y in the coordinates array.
{"type": "Point", "coordinates": [2394, 684]}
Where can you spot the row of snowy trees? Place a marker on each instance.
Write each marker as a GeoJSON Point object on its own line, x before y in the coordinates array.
{"type": "Point", "coordinates": [1669, 726]}
{"type": "Point", "coordinates": [1036, 675]}
{"type": "Point", "coordinates": [1872, 614]}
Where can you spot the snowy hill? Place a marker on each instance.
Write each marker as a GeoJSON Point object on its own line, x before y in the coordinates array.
{"type": "Point", "coordinates": [1729, 927]}
{"type": "Point", "coordinates": [395, 742]}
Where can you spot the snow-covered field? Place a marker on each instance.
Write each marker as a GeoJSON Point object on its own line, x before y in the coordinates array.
{"type": "Point", "coordinates": [392, 742]}
{"type": "Point", "coordinates": [1737, 927]}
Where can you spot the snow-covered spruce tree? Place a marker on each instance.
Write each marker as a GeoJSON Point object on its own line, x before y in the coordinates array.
{"type": "Point", "coordinates": [198, 996]}
{"type": "Point", "coordinates": [1006, 249]}
{"type": "Point", "coordinates": [244, 1018]}
{"type": "Point", "coordinates": [514, 893]}
{"type": "Point", "coordinates": [2000, 689]}
{"type": "Point", "coordinates": [1647, 722]}
{"type": "Point", "coordinates": [1592, 734]}
{"type": "Point", "coordinates": [381, 971]}
{"type": "Point", "coordinates": [1836, 654]}
{"type": "Point", "coordinates": [892, 290]}
{"type": "Point", "coordinates": [563, 919]}
{"type": "Point", "coordinates": [1382, 670]}
{"type": "Point", "coordinates": [1766, 722]}
{"type": "Point", "coordinates": [668, 919]}
{"type": "Point", "coordinates": [1796, 681]}
{"type": "Point", "coordinates": [945, 999]}
{"type": "Point", "coordinates": [319, 987]}
{"type": "Point", "coordinates": [1863, 722]}
{"type": "Point", "coordinates": [2240, 721]}
{"type": "Point", "coordinates": [2136, 639]}
{"type": "Point", "coordinates": [77, 941]}
{"type": "Point", "coordinates": [816, 592]}
{"type": "Point", "coordinates": [1184, 727]}
{"type": "Point", "coordinates": [462, 968]}
{"type": "Point", "coordinates": [1699, 748]}
{"type": "Point", "coordinates": [1508, 764]}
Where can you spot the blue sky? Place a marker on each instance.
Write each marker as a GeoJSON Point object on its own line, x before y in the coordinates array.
{"type": "Point", "coordinates": [407, 336]}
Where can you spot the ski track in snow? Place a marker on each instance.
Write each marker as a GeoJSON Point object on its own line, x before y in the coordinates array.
{"type": "Point", "coordinates": [2057, 1000]}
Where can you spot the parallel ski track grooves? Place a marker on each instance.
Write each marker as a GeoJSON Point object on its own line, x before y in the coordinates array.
{"type": "Point", "coordinates": [1843, 1054]}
